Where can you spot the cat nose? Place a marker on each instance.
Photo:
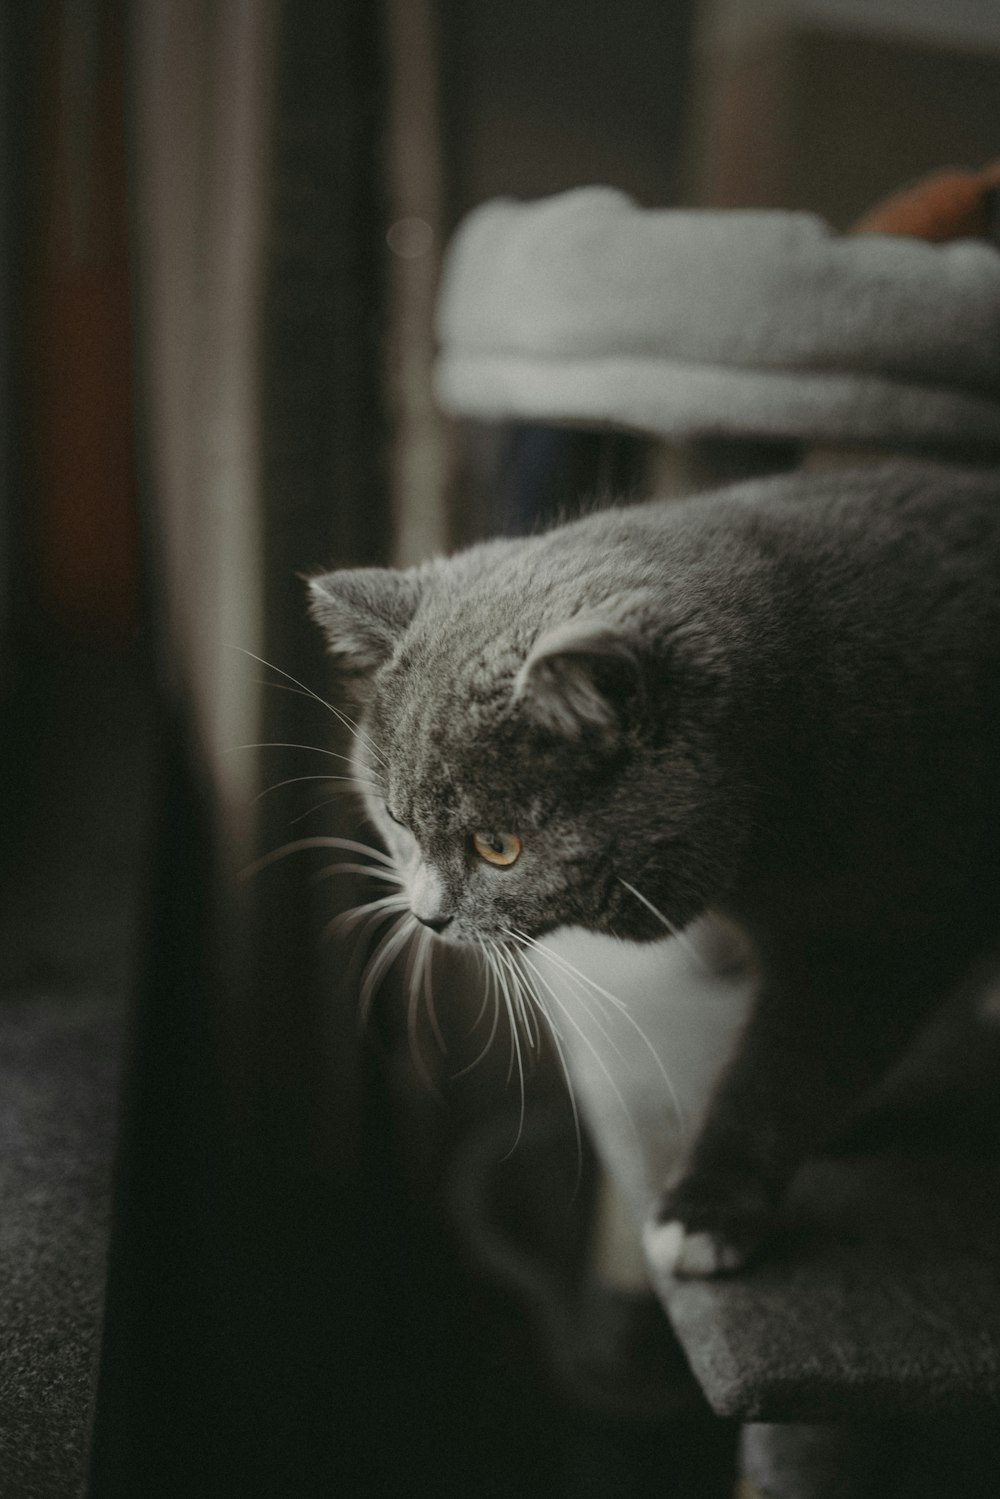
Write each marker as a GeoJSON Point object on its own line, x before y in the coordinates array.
{"type": "Point", "coordinates": [436, 923]}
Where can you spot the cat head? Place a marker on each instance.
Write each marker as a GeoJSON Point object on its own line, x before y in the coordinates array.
{"type": "Point", "coordinates": [527, 751]}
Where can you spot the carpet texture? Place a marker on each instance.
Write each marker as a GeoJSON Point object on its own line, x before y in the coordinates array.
{"type": "Point", "coordinates": [879, 1295]}
{"type": "Point", "coordinates": [73, 889]}
{"type": "Point", "coordinates": [59, 1065]}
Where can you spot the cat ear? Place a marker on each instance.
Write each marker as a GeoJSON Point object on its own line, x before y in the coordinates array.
{"type": "Point", "coordinates": [577, 675]}
{"type": "Point", "coordinates": [362, 612]}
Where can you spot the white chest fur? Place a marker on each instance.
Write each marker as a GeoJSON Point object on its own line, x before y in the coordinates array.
{"type": "Point", "coordinates": [645, 1031]}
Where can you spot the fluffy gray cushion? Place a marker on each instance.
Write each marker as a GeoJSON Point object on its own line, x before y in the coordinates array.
{"type": "Point", "coordinates": [686, 323]}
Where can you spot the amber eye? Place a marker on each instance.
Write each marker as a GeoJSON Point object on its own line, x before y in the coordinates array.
{"type": "Point", "coordinates": [497, 848]}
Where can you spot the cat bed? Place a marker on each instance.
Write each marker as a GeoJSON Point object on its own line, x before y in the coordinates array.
{"type": "Point", "coordinates": [681, 324]}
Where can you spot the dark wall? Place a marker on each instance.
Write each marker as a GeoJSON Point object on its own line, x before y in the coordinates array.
{"type": "Point", "coordinates": [538, 97]}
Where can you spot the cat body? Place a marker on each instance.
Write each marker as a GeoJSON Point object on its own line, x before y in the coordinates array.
{"type": "Point", "coordinates": [780, 702]}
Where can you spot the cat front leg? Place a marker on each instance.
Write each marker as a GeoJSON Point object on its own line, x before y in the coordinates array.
{"type": "Point", "coordinates": [824, 1028]}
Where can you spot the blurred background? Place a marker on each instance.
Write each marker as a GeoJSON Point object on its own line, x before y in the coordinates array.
{"type": "Point", "coordinates": [247, 1245]}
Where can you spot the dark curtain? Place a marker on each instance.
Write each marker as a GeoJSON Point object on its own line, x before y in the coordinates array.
{"type": "Point", "coordinates": [250, 1325]}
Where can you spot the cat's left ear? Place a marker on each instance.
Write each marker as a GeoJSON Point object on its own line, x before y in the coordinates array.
{"type": "Point", "coordinates": [363, 612]}
{"type": "Point", "coordinates": [578, 676]}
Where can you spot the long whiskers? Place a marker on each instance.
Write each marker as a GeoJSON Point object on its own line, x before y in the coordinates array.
{"type": "Point", "coordinates": [516, 962]}
{"type": "Point", "coordinates": [428, 992]}
{"type": "Point", "coordinates": [491, 991]}
{"type": "Point", "coordinates": [573, 977]}
{"type": "Point", "coordinates": [417, 959]}
{"type": "Point", "coordinates": [525, 998]}
{"type": "Point", "coordinates": [675, 931]}
{"type": "Point", "coordinates": [378, 909]}
{"type": "Point", "coordinates": [372, 871]}
{"type": "Point", "coordinates": [298, 845]}
{"type": "Point", "coordinates": [372, 773]}
{"type": "Point", "coordinates": [362, 814]}
{"type": "Point", "coordinates": [370, 914]}
{"type": "Point", "coordinates": [574, 1024]}
{"type": "Point", "coordinates": [350, 784]}
{"type": "Point", "coordinates": [503, 976]}
{"type": "Point", "coordinates": [382, 959]}
{"type": "Point", "coordinates": [342, 718]}
{"type": "Point", "coordinates": [582, 983]}
{"type": "Point", "coordinates": [316, 749]}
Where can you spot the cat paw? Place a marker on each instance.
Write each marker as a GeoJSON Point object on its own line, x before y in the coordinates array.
{"type": "Point", "coordinates": [673, 1249]}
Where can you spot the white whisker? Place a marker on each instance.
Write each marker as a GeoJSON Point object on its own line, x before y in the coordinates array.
{"type": "Point", "coordinates": [523, 995]}
{"type": "Point", "coordinates": [328, 802]}
{"type": "Point", "coordinates": [428, 992]}
{"type": "Point", "coordinates": [581, 994]}
{"type": "Point", "coordinates": [484, 1002]}
{"type": "Point", "coordinates": [564, 963]}
{"type": "Point", "coordinates": [571, 972]}
{"type": "Point", "coordinates": [415, 962]}
{"type": "Point", "coordinates": [503, 994]}
{"type": "Point", "coordinates": [352, 784]}
{"type": "Point", "coordinates": [314, 749]}
{"type": "Point", "coordinates": [350, 918]}
{"type": "Point", "coordinates": [375, 920]}
{"type": "Point", "coordinates": [515, 1042]}
{"type": "Point", "coordinates": [382, 960]}
{"type": "Point", "coordinates": [370, 870]}
{"type": "Point", "coordinates": [300, 692]}
{"type": "Point", "coordinates": [517, 957]}
{"type": "Point", "coordinates": [675, 932]}
{"type": "Point", "coordinates": [491, 990]}
{"type": "Point", "coordinates": [341, 718]}
{"type": "Point", "coordinates": [301, 844]}
{"type": "Point", "coordinates": [567, 1013]}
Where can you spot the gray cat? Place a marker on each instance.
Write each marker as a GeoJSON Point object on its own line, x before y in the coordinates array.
{"type": "Point", "coordinates": [780, 702]}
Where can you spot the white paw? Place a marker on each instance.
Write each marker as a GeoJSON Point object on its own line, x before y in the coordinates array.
{"type": "Point", "coordinates": [673, 1249]}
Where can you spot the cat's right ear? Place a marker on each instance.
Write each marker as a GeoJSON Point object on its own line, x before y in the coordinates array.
{"type": "Point", "coordinates": [577, 677]}
{"type": "Point", "coordinates": [362, 612]}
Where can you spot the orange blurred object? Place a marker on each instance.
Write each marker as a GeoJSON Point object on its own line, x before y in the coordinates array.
{"type": "Point", "coordinates": [947, 205]}
{"type": "Point", "coordinates": [84, 528]}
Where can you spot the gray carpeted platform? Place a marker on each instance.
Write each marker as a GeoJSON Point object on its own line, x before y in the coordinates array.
{"type": "Point", "coordinates": [59, 1071]}
{"type": "Point", "coordinates": [72, 895]}
{"type": "Point", "coordinates": [879, 1296]}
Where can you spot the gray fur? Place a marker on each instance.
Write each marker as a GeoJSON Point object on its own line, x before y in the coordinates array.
{"type": "Point", "coordinates": [781, 701]}
{"type": "Point", "coordinates": [363, 612]}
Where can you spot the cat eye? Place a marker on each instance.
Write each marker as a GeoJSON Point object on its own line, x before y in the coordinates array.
{"type": "Point", "coordinates": [393, 818]}
{"type": "Point", "coordinates": [497, 848]}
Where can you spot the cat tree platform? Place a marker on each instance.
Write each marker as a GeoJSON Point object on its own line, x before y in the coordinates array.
{"type": "Point", "coordinates": [879, 1294]}
{"type": "Point", "coordinates": [878, 1298]}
